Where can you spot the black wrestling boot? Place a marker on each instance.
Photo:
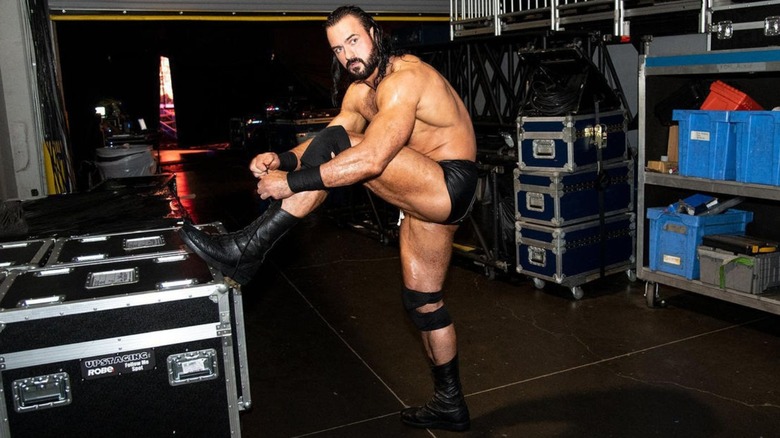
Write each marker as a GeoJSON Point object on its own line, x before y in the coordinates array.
{"type": "Point", "coordinates": [239, 255]}
{"type": "Point", "coordinates": [447, 409]}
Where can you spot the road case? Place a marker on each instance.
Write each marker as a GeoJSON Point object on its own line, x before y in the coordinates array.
{"type": "Point", "coordinates": [152, 243]}
{"type": "Point", "coordinates": [558, 199]}
{"type": "Point", "coordinates": [136, 347]}
{"type": "Point", "coordinates": [574, 255]}
{"type": "Point", "coordinates": [123, 245]}
{"type": "Point", "coordinates": [25, 254]}
{"type": "Point", "coordinates": [737, 24]}
{"type": "Point", "coordinates": [565, 143]}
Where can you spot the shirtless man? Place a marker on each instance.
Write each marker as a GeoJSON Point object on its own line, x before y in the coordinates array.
{"type": "Point", "coordinates": [404, 133]}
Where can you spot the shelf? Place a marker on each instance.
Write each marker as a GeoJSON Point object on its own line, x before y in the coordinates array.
{"type": "Point", "coordinates": [744, 66]}
{"type": "Point", "coordinates": [721, 62]}
{"type": "Point", "coordinates": [768, 302]}
{"type": "Point", "coordinates": [713, 186]}
{"type": "Point", "coordinates": [474, 17]}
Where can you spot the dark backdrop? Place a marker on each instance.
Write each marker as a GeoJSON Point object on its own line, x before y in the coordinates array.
{"type": "Point", "coordinates": [220, 70]}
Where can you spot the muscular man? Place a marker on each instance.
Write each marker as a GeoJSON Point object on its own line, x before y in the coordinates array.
{"type": "Point", "coordinates": [404, 133]}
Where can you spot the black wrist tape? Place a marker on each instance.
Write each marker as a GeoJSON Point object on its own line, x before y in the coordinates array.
{"type": "Point", "coordinates": [305, 180]}
{"type": "Point", "coordinates": [288, 161]}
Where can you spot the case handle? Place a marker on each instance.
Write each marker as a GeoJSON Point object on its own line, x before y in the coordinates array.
{"type": "Point", "coordinates": [544, 149]}
{"type": "Point", "coordinates": [41, 392]}
{"type": "Point", "coordinates": [192, 367]}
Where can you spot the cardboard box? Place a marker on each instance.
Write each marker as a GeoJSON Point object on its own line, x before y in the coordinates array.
{"type": "Point", "coordinates": [662, 166]}
{"type": "Point", "coordinates": [672, 145]}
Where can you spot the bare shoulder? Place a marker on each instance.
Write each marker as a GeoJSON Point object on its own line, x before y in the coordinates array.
{"type": "Point", "coordinates": [409, 68]}
{"type": "Point", "coordinates": [414, 81]}
{"type": "Point", "coordinates": [408, 78]}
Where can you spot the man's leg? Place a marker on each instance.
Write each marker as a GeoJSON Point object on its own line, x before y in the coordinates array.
{"type": "Point", "coordinates": [426, 249]}
{"type": "Point", "coordinates": [238, 255]}
{"type": "Point", "coordinates": [415, 184]}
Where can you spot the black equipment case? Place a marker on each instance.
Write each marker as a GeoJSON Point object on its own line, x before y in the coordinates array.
{"type": "Point", "coordinates": [122, 245]}
{"type": "Point", "coordinates": [738, 24]}
{"type": "Point", "coordinates": [24, 254]}
{"type": "Point", "coordinates": [154, 242]}
{"type": "Point", "coordinates": [141, 347]}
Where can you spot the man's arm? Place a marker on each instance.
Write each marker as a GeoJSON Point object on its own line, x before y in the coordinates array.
{"type": "Point", "coordinates": [348, 118]}
{"type": "Point", "coordinates": [388, 133]}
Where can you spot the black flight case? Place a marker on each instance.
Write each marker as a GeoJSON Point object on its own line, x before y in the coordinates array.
{"type": "Point", "coordinates": [141, 345]}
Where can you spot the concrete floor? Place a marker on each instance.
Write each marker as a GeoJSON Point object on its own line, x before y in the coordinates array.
{"type": "Point", "coordinates": [331, 353]}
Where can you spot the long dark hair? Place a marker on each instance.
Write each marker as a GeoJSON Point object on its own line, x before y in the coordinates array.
{"type": "Point", "coordinates": [383, 45]}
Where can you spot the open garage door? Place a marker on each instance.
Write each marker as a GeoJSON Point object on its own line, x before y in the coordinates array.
{"type": "Point", "coordinates": [189, 7]}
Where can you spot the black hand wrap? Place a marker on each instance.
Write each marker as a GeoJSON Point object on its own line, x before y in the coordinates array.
{"type": "Point", "coordinates": [288, 161]}
{"type": "Point", "coordinates": [305, 180]}
{"type": "Point", "coordinates": [328, 143]}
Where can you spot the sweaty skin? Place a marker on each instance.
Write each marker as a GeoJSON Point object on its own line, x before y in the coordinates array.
{"type": "Point", "coordinates": [398, 130]}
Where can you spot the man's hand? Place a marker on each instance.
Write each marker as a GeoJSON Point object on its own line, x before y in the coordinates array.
{"type": "Point", "coordinates": [273, 184]}
{"type": "Point", "coordinates": [263, 164]}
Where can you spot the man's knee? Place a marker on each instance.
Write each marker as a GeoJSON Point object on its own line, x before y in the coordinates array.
{"type": "Point", "coordinates": [425, 321]}
{"type": "Point", "coordinates": [328, 143]}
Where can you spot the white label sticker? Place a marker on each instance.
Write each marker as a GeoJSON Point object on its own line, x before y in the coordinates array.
{"type": "Point", "coordinates": [700, 135]}
{"type": "Point", "coordinates": [112, 278]}
{"type": "Point", "coordinates": [194, 366]}
{"type": "Point", "coordinates": [144, 242]}
{"type": "Point", "coordinates": [672, 260]}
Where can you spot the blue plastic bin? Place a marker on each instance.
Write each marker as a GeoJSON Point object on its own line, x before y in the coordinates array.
{"type": "Point", "coordinates": [674, 237]}
{"type": "Point", "coordinates": [707, 144]}
{"type": "Point", "coordinates": [758, 146]}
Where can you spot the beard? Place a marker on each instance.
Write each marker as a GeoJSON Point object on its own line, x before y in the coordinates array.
{"type": "Point", "coordinates": [360, 70]}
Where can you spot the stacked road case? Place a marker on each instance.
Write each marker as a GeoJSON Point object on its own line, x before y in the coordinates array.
{"type": "Point", "coordinates": [574, 188]}
{"type": "Point", "coordinates": [124, 334]}
{"type": "Point", "coordinates": [24, 254]}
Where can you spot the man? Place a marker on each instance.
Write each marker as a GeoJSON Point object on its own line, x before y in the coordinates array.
{"type": "Point", "coordinates": [404, 133]}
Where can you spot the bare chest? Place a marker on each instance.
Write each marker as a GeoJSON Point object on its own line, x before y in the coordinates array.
{"type": "Point", "coordinates": [368, 106]}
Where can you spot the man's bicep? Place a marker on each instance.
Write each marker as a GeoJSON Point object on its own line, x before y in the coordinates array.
{"type": "Point", "coordinates": [397, 104]}
{"type": "Point", "coordinates": [389, 132]}
{"type": "Point", "coordinates": [396, 115]}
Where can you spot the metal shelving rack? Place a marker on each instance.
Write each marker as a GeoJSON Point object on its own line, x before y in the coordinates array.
{"type": "Point", "coordinates": [725, 65]}
{"type": "Point", "coordinates": [480, 17]}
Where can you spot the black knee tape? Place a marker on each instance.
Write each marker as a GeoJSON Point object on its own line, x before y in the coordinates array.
{"type": "Point", "coordinates": [429, 321]}
{"type": "Point", "coordinates": [327, 143]}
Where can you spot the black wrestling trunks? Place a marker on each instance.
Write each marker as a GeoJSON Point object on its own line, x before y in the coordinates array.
{"type": "Point", "coordinates": [460, 176]}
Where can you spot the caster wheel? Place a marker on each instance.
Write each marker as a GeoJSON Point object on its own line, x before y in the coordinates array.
{"type": "Point", "coordinates": [490, 273]}
{"type": "Point", "coordinates": [539, 283]}
{"type": "Point", "coordinates": [652, 297]}
{"type": "Point", "coordinates": [631, 275]}
{"type": "Point", "coordinates": [577, 292]}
